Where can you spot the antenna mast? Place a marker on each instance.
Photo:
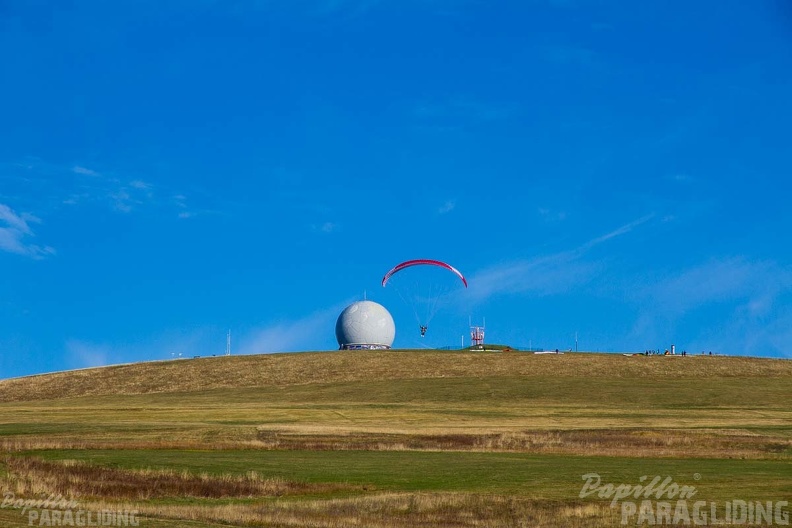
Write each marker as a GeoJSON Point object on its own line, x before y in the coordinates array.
{"type": "Point", "coordinates": [228, 343]}
{"type": "Point", "coordinates": [477, 334]}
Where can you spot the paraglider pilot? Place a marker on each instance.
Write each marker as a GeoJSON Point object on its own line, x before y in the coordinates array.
{"type": "Point", "coordinates": [423, 330]}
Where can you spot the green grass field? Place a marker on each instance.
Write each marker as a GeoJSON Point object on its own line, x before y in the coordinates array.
{"type": "Point", "coordinates": [552, 477]}
{"type": "Point", "coordinates": [399, 438]}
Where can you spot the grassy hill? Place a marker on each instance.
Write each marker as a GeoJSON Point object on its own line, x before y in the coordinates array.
{"type": "Point", "coordinates": [281, 370]}
{"type": "Point", "coordinates": [395, 438]}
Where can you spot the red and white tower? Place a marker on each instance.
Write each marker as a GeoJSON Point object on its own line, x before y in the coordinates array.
{"type": "Point", "coordinates": [477, 335]}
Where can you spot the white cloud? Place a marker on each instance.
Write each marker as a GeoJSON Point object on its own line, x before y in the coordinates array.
{"type": "Point", "coordinates": [180, 201]}
{"type": "Point", "coordinates": [623, 230]}
{"type": "Point", "coordinates": [122, 201]}
{"type": "Point", "coordinates": [85, 171]}
{"type": "Point", "coordinates": [83, 355]}
{"type": "Point", "coordinates": [16, 231]}
{"type": "Point", "coordinates": [13, 220]}
{"type": "Point", "coordinates": [78, 185]}
{"type": "Point", "coordinates": [551, 215]}
{"type": "Point", "coordinates": [744, 297]}
{"type": "Point", "coordinates": [29, 218]}
{"type": "Point", "coordinates": [326, 227]}
{"type": "Point", "coordinates": [546, 274]}
{"type": "Point", "coordinates": [305, 333]}
{"type": "Point", "coordinates": [447, 207]}
{"type": "Point", "coordinates": [140, 184]}
{"type": "Point", "coordinates": [754, 284]}
{"type": "Point", "coordinates": [744, 336]}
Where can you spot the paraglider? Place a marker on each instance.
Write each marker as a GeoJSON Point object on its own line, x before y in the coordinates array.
{"type": "Point", "coordinates": [423, 289]}
{"type": "Point", "coordinates": [422, 262]}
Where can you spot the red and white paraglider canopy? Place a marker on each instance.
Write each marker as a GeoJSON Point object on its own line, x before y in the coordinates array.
{"type": "Point", "coordinates": [423, 262]}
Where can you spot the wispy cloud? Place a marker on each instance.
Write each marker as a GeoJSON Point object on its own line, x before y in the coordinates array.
{"type": "Point", "coordinates": [81, 354]}
{"type": "Point", "coordinates": [743, 297]}
{"type": "Point", "coordinates": [325, 227]}
{"type": "Point", "coordinates": [181, 202]}
{"type": "Point", "coordinates": [123, 201]}
{"type": "Point", "coordinates": [547, 274]}
{"type": "Point", "coordinates": [305, 333]}
{"type": "Point", "coordinates": [551, 215]}
{"type": "Point", "coordinates": [15, 232]}
{"type": "Point", "coordinates": [623, 230]}
{"type": "Point", "coordinates": [679, 177]}
{"type": "Point", "coordinates": [79, 185]}
{"type": "Point", "coordinates": [84, 353]}
{"type": "Point", "coordinates": [447, 207]}
{"type": "Point", "coordinates": [756, 283]}
{"type": "Point", "coordinates": [140, 184]}
{"type": "Point", "coordinates": [84, 171]}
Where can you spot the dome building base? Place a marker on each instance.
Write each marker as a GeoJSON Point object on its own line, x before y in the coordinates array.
{"type": "Point", "coordinates": [364, 346]}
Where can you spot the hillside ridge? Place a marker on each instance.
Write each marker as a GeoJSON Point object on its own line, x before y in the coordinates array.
{"type": "Point", "coordinates": [284, 369]}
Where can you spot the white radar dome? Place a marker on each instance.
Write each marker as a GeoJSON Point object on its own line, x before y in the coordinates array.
{"type": "Point", "coordinates": [365, 325]}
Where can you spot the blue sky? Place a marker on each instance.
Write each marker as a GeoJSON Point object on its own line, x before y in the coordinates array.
{"type": "Point", "coordinates": [171, 169]}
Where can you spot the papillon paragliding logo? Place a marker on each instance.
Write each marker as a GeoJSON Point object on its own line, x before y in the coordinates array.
{"type": "Point", "coordinates": [426, 286]}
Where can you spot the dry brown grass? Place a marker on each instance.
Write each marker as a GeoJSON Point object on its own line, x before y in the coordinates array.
{"type": "Point", "coordinates": [101, 488]}
{"type": "Point", "coordinates": [628, 442]}
{"type": "Point", "coordinates": [647, 443]}
{"type": "Point", "coordinates": [30, 476]}
{"type": "Point", "coordinates": [345, 366]}
{"type": "Point", "coordinates": [397, 510]}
